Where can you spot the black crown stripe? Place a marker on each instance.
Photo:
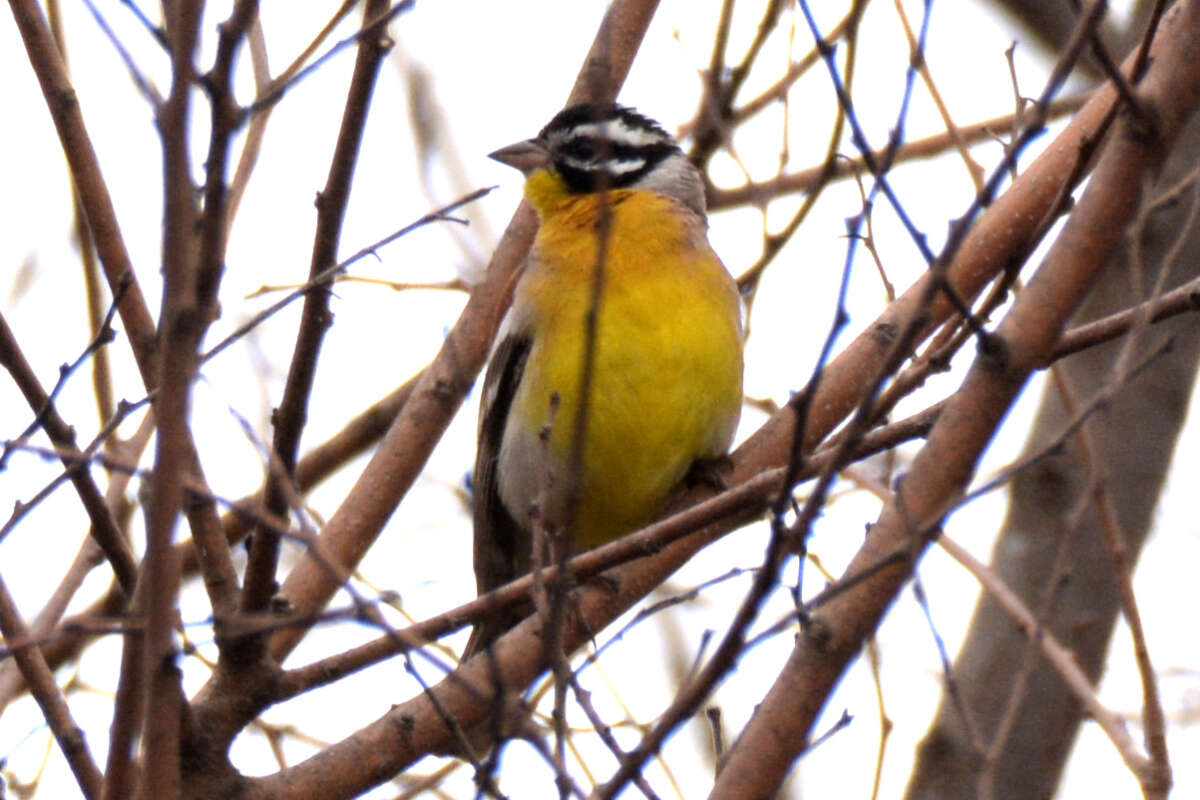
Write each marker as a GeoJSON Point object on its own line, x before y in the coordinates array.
{"type": "Point", "coordinates": [592, 159]}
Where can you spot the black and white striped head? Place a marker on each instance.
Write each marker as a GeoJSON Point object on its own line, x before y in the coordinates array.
{"type": "Point", "coordinates": [598, 146]}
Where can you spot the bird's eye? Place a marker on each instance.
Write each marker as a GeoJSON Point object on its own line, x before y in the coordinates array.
{"type": "Point", "coordinates": [583, 149]}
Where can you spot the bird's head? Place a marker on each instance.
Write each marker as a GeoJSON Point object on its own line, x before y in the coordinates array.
{"type": "Point", "coordinates": [598, 146]}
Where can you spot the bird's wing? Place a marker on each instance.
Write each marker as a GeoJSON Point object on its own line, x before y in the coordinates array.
{"type": "Point", "coordinates": [501, 546]}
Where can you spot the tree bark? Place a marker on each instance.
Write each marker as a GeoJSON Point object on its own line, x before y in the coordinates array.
{"type": "Point", "coordinates": [1134, 441]}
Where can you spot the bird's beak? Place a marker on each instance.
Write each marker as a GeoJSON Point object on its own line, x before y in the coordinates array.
{"type": "Point", "coordinates": [526, 156]}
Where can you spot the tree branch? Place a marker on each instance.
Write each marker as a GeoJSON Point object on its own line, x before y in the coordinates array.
{"type": "Point", "coordinates": [782, 724]}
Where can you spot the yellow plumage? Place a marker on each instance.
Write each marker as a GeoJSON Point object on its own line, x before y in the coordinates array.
{"type": "Point", "coordinates": [666, 381]}
{"type": "Point", "coordinates": [666, 386]}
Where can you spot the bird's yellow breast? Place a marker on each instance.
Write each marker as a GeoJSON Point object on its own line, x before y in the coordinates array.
{"type": "Point", "coordinates": [666, 381]}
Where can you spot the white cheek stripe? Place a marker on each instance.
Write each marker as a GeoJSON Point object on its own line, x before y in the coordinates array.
{"type": "Point", "coordinates": [624, 166]}
{"type": "Point", "coordinates": [614, 166]}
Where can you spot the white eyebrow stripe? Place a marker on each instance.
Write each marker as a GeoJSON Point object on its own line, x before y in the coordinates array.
{"type": "Point", "coordinates": [618, 130]}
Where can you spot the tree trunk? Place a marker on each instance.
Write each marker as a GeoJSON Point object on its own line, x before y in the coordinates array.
{"type": "Point", "coordinates": [1134, 441]}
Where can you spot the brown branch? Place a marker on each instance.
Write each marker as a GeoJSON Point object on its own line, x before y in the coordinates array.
{"type": "Point", "coordinates": [427, 385]}
{"type": "Point", "coordinates": [120, 771]}
{"type": "Point", "coordinates": [721, 85]}
{"type": "Point", "coordinates": [443, 384]}
{"type": "Point", "coordinates": [275, 88]}
{"type": "Point", "coordinates": [143, 84]}
{"type": "Point", "coordinates": [45, 691]}
{"type": "Point", "coordinates": [736, 504]}
{"type": "Point", "coordinates": [351, 441]}
{"type": "Point", "coordinates": [1060, 656]}
{"type": "Point", "coordinates": [225, 119]}
{"type": "Point", "coordinates": [257, 128]}
{"type": "Point", "coordinates": [101, 372]}
{"type": "Point", "coordinates": [778, 91]}
{"type": "Point", "coordinates": [105, 530]}
{"type": "Point", "coordinates": [89, 556]}
{"type": "Point", "coordinates": [183, 320]}
{"type": "Point", "coordinates": [1155, 777]}
{"type": "Point", "coordinates": [822, 176]}
{"type": "Point", "coordinates": [917, 59]}
{"type": "Point", "coordinates": [999, 233]}
{"type": "Point", "coordinates": [315, 318]}
{"type": "Point", "coordinates": [1180, 300]}
{"type": "Point", "coordinates": [804, 180]}
{"type": "Point", "coordinates": [782, 724]}
{"type": "Point", "coordinates": [733, 507]}
{"type": "Point", "coordinates": [97, 204]}
{"type": "Point", "coordinates": [89, 183]}
{"type": "Point", "coordinates": [729, 509]}
{"type": "Point", "coordinates": [373, 26]}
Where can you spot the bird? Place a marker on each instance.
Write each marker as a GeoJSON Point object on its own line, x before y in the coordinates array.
{"type": "Point", "coordinates": [621, 283]}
